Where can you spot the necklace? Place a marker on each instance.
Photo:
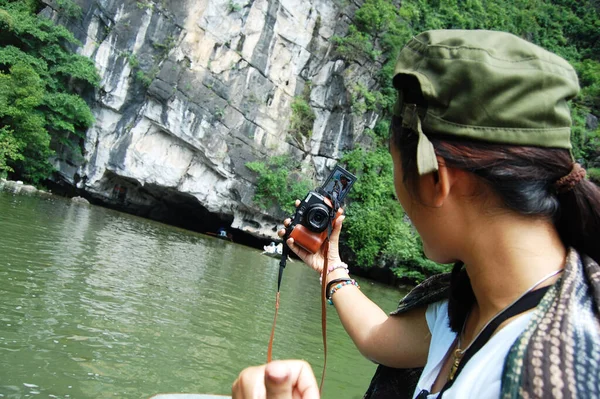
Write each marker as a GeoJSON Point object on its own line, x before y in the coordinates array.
{"type": "Point", "coordinates": [458, 353]}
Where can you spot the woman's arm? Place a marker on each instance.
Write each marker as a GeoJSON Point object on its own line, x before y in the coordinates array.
{"type": "Point", "coordinates": [398, 341]}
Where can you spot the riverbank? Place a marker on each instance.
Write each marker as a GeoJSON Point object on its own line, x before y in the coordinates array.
{"type": "Point", "coordinates": [18, 187]}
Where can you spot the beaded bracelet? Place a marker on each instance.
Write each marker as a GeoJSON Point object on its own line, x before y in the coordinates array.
{"type": "Point", "coordinates": [340, 285]}
{"type": "Point", "coordinates": [333, 267]}
{"type": "Point", "coordinates": [340, 265]}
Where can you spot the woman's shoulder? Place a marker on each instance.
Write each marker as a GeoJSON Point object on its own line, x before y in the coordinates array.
{"type": "Point", "coordinates": [434, 289]}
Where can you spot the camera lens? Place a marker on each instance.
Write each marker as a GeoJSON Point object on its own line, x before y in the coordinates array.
{"type": "Point", "coordinates": [317, 217]}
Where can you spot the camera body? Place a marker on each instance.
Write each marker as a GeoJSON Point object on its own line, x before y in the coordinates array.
{"type": "Point", "coordinates": [309, 225]}
{"type": "Point", "coordinates": [318, 211]}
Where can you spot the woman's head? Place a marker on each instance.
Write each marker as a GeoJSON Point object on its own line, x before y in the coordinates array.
{"type": "Point", "coordinates": [522, 178]}
{"type": "Point", "coordinates": [495, 106]}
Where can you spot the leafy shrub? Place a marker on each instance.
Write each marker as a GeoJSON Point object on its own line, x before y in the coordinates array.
{"type": "Point", "coordinates": [279, 183]}
{"type": "Point", "coordinates": [355, 45]}
{"type": "Point", "coordinates": [303, 117]}
{"type": "Point", "coordinates": [568, 28]}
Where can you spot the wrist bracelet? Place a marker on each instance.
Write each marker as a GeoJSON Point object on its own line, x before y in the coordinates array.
{"type": "Point", "coordinates": [335, 266]}
{"type": "Point", "coordinates": [339, 283]}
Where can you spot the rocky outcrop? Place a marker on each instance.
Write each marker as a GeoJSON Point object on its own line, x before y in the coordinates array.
{"type": "Point", "coordinates": [193, 90]}
{"type": "Point", "coordinates": [17, 187]}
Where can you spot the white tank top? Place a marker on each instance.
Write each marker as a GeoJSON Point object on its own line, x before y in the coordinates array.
{"type": "Point", "coordinates": [481, 376]}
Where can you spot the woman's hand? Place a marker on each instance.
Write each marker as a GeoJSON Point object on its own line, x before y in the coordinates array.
{"type": "Point", "coordinates": [280, 379]}
{"type": "Point", "coordinates": [316, 261]}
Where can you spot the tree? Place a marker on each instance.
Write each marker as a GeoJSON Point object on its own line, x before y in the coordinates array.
{"type": "Point", "coordinates": [40, 81]}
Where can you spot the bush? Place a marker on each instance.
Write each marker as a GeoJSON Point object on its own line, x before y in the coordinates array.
{"type": "Point", "coordinates": [302, 120]}
{"type": "Point", "coordinates": [355, 45]}
{"type": "Point", "coordinates": [279, 183]}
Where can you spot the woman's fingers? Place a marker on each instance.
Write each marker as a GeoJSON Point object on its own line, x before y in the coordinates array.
{"type": "Point", "coordinates": [280, 379]}
{"type": "Point", "coordinates": [287, 379]}
{"type": "Point", "coordinates": [337, 228]}
{"type": "Point", "coordinates": [334, 254]}
{"type": "Point", "coordinates": [250, 384]}
{"type": "Point", "coordinates": [301, 252]}
{"type": "Point", "coordinates": [286, 223]}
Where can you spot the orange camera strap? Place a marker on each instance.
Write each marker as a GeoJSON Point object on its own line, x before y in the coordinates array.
{"type": "Point", "coordinates": [282, 262]}
{"type": "Point", "coordinates": [284, 256]}
{"type": "Point", "coordinates": [324, 311]}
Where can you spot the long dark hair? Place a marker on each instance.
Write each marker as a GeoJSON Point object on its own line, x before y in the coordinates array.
{"type": "Point", "coordinates": [524, 179]}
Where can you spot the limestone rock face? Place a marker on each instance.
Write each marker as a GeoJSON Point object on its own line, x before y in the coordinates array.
{"type": "Point", "coordinates": [193, 90]}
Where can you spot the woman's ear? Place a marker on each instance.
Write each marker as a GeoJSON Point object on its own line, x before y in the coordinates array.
{"type": "Point", "coordinates": [435, 187]}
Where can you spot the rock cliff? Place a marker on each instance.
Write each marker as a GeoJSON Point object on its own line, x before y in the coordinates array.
{"type": "Point", "coordinates": [193, 90]}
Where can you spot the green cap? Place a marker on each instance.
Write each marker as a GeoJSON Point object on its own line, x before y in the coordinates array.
{"type": "Point", "coordinates": [485, 85]}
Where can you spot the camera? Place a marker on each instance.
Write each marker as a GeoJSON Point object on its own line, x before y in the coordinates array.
{"type": "Point", "coordinates": [318, 209]}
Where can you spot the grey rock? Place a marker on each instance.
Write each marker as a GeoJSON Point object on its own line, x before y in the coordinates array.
{"type": "Point", "coordinates": [80, 200]}
{"type": "Point", "coordinates": [27, 189]}
{"type": "Point", "coordinates": [220, 84]}
{"type": "Point", "coordinates": [161, 90]}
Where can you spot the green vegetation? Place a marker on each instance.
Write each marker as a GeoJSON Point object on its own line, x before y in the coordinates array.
{"type": "Point", "coordinates": [219, 113]}
{"type": "Point", "coordinates": [144, 78]}
{"type": "Point", "coordinates": [363, 100]}
{"type": "Point", "coordinates": [145, 5]}
{"type": "Point", "coordinates": [167, 45]}
{"type": "Point", "coordinates": [40, 78]}
{"type": "Point", "coordinates": [232, 6]}
{"type": "Point", "coordinates": [279, 183]}
{"type": "Point", "coordinates": [302, 119]}
{"type": "Point", "coordinates": [132, 60]}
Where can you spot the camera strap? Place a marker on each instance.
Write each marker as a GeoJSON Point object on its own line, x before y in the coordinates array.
{"type": "Point", "coordinates": [282, 264]}
{"type": "Point", "coordinates": [324, 301]}
{"type": "Point", "coordinates": [284, 256]}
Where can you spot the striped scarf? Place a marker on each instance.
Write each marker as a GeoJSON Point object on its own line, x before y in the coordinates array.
{"type": "Point", "coordinates": [558, 354]}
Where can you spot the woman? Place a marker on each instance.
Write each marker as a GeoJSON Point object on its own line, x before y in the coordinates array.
{"type": "Point", "coordinates": [480, 144]}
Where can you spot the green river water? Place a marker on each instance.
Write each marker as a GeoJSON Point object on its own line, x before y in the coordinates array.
{"type": "Point", "coordinates": [99, 304]}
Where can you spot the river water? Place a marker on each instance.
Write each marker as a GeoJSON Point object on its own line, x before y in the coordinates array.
{"type": "Point", "coordinates": [99, 304]}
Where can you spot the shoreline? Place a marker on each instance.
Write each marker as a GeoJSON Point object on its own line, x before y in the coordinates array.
{"type": "Point", "coordinates": [18, 187]}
